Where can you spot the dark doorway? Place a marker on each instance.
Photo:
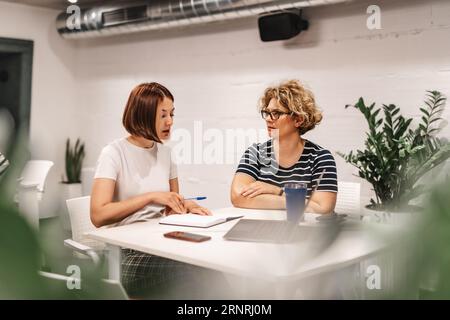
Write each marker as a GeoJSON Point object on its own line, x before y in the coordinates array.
{"type": "Point", "coordinates": [16, 61]}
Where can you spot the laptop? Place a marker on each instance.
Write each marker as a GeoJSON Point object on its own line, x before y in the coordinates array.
{"type": "Point", "coordinates": [272, 231]}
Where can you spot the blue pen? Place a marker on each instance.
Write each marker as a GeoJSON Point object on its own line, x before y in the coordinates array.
{"type": "Point", "coordinates": [196, 198]}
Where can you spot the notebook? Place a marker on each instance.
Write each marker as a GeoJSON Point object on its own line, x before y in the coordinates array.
{"type": "Point", "coordinates": [195, 220]}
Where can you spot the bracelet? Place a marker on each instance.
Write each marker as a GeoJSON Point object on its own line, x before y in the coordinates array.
{"type": "Point", "coordinates": [281, 191]}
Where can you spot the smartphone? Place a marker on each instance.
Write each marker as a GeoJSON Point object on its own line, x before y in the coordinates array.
{"type": "Point", "coordinates": [186, 236]}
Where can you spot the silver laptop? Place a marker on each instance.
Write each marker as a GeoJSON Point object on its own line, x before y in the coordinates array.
{"type": "Point", "coordinates": [274, 231]}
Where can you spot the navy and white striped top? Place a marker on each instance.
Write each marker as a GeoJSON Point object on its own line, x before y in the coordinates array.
{"type": "Point", "coordinates": [259, 162]}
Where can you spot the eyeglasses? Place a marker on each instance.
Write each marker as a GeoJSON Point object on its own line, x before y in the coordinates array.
{"type": "Point", "coordinates": [274, 115]}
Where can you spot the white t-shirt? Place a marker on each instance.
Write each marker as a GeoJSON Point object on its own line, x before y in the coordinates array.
{"type": "Point", "coordinates": [137, 170]}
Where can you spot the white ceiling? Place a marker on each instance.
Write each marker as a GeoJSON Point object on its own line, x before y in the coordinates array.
{"type": "Point", "coordinates": [57, 4]}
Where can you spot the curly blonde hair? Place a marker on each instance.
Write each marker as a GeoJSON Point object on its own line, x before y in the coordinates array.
{"type": "Point", "coordinates": [294, 96]}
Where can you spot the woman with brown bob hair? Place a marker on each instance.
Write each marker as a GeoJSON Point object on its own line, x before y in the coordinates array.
{"type": "Point", "coordinates": [136, 179]}
{"type": "Point", "coordinates": [289, 111]}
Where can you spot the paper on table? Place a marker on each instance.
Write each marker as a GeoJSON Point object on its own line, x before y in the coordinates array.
{"type": "Point", "coordinates": [194, 220]}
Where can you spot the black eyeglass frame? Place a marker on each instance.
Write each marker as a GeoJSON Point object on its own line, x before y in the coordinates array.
{"type": "Point", "coordinates": [264, 113]}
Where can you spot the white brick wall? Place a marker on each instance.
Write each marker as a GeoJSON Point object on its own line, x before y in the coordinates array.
{"type": "Point", "coordinates": [53, 101]}
{"type": "Point", "coordinates": [217, 73]}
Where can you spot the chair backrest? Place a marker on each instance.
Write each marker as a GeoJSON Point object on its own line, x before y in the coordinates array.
{"type": "Point", "coordinates": [108, 290]}
{"type": "Point", "coordinates": [80, 221]}
{"type": "Point", "coordinates": [30, 189]}
{"type": "Point", "coordinates": [348, 198]}
{"type": "Point", "coordinates": [35, 172]}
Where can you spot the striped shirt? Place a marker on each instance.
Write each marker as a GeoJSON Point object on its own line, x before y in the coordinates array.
{"type": "Point", "coordinates": [259, 162]}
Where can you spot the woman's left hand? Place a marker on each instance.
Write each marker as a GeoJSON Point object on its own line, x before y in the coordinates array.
{"type": "Point", "coordinates": [256, 188]}
{"type": "Point", "coordinates": [193, 207]}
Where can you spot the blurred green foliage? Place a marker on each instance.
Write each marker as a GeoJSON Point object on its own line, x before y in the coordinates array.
{"type": "Point", "coordinates": [74, 161]}
{"type": "Point", "coordinates": [19, 256]}
{"type": "Point", "coordinates": [433, 237]}
{"type": "Point", "coordinates": [22, 253]}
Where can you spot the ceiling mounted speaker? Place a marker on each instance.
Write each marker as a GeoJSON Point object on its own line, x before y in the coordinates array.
{"type": "Point", "coordinates": [281, 25]}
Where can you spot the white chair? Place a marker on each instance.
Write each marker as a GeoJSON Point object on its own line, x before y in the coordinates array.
{"type": "Point", "coordinates": [35, 173]}
{"type": "Point", "coordinates": [31, 189]}
{"type": "Point", "coordinates": [80, 222]}
{"type": "Point", "coordinates": [349, 198]}
{"type": "Point", "coordinates": [107, 290]}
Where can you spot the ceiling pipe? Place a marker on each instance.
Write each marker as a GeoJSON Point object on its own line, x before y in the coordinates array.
{"type": "Point", "coordinates": [136, 16]}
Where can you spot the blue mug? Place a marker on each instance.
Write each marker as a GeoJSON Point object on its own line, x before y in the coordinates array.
{"type": "Point", "coordinates": [295, 201]}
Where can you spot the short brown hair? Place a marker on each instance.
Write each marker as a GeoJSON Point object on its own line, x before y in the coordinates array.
{"type": "Point", "coordinates": [139, 116]}
{"type": "Point", "coordinates": [294, 96]}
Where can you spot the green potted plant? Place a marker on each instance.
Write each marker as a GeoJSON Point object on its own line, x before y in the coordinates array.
{"type": "Point", "coordinates": [71, 183]}
{"type": "Point", "coordinates": [74, 162]}
{"type": "Point", "coordinates": [396, 156]}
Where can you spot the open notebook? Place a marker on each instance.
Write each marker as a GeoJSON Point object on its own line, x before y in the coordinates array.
{"type": "Point", "coordinates": [195, 220]}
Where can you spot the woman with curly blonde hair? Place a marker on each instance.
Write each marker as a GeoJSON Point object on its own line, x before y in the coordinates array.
{"type": "Point", "coordinates": [289, 111]}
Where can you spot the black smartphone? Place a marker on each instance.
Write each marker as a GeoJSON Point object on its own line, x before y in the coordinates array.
{"type": "Point", "coordinates": [186, 236]}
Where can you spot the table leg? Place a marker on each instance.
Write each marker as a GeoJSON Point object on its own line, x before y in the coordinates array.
{"type": "Point", "coordinates": [114, 262]}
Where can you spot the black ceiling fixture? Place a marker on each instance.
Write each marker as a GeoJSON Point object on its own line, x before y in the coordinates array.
{"type": "Point", "coordinates": [281, 25]}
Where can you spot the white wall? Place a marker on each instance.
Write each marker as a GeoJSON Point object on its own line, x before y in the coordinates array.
{"type": "Point", "coordinates": [218, 72]}
{"type": "Point", "coordinates": [53, 88]}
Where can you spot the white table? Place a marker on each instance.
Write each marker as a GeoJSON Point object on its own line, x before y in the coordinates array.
{"type": "Point", "coordinates": [283, 264]}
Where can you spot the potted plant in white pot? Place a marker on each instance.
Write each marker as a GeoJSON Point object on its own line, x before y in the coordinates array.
{"type": "Point", "coordinates": [71, 183]}
{"type": "Point", "coordinates": [396, 157]}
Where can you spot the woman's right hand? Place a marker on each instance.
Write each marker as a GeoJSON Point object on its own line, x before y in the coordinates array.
{"type": "Point", "coordinates": [170, 199]}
